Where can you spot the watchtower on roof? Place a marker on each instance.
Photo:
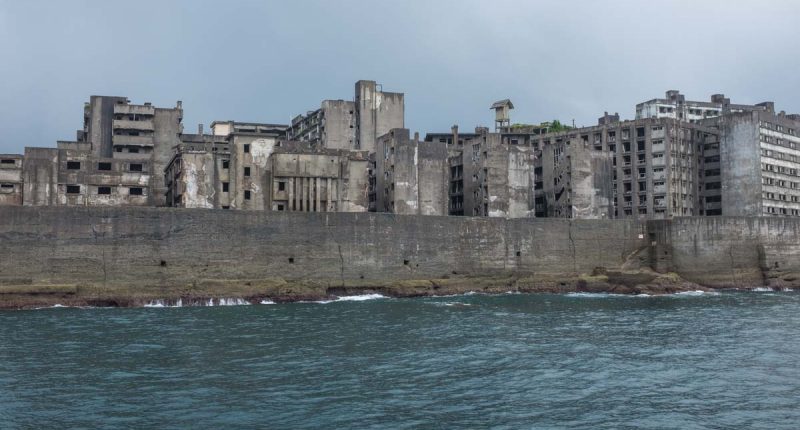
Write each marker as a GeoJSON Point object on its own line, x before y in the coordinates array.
{"type": "Point", "coordinates": [501, 113]}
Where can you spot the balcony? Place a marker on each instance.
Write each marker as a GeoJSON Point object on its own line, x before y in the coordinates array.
{"type": "Point", "coordinates": [133, 140]}
{"type": "Point", "coordinates": [134, 110]}
{"type": "Point", "coordinates": [146, 125]}
{"type": "Point", "coordinates": [659, 162]}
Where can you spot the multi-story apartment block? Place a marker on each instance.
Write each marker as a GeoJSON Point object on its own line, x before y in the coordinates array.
{"type": "Point", "coordinates": [409, 177]}
{"type": "Point", "coordinates": [112, 160]}
{"type": "Point", "coordinates": [72, 175]}
{"type": "Point", "coordinates": [676, 106]}
{"type": "Point", "coordinates": [755, 169]}
{"type": "Point", "coordinates": [333, 125]}
{"type": "Point", "coordinates": [491, 178]}
{"type": "Point", "coordinates": [654, 167]}
{"type": "Point", "coordinates": [353, 125]}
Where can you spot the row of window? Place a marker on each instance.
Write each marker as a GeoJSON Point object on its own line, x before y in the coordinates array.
{"type": "Point", "coordinates": [779, 155]}
{"type": "Point", "coordinates": [766, 167]}
{"type": "Point", "coordinates": [105, 166]}
{"type": "Point", "coordinates": [105, 190]}
{"type": "Point", "coordinates": [781, 197]}
{"type": "Point", "coordinates": [777, 127]}
{"type": "Point", "coordinates": [777, 141]}
{"type": "Point", "coordinates": [766, 180]}
{"type": "Point", "coordinates": [772, 210]}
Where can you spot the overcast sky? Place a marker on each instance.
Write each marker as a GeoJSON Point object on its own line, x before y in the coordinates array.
{"type": "Point", "coordinates": [268, 61]}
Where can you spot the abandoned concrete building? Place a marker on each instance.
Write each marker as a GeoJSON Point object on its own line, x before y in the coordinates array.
{"type": "Point", "coordinates": [677, 158]}
{"type": "Point", "coordinates": [755, 168]}
{"type": "Point", "coordinates": [675, 106]}
{"type": "Point", "coordinates": [491, 178]}
{"type": "Point", "coordinates": [354, 125]}
{"type": "Point", "coordinates": [10, 180]}
{"type": "Point", "coordinates": [266, 174]}
{"type": "Point", "coordinates": [111, 162]}
{"type": "Point", "coordinates": [408, 177]}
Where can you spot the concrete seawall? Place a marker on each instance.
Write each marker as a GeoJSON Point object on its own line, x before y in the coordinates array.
{"type": "Point", "coordinates": [147, 252]}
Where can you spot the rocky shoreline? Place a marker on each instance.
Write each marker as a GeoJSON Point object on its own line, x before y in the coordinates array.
{"type": "Point", "coordinates": [213, 293]}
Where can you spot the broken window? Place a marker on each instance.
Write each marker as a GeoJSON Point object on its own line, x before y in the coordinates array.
{"type": "Point", "coordinates": [246, 148]}
{"type": "Point", "coordinates": [135, 167]}
{"type": "Point", "coordinates": [7, 161]}
{"type": "Point", "coordinates": [280, 206]}
{"type": "Point", "coordinates": [104, 190]}
{"type": "Point", "coordinates": [73, 165]}
{"type": "Point", "coordinates": [103, 166]}
{"type": "Point", "coordinates": [135, 191]}
{"type": "Point", "coordinates": [225, 187]}
{"type": "Point", "coordinates": [73, 189]}
{"type": "Point", "coordinates": [281, 185]}
{"type": "Point", "coordinates": [247, 171]}
{"type": "Point", "coordinates": [247, 194]}
{"type": "Point", "coordinates": [226, 164]}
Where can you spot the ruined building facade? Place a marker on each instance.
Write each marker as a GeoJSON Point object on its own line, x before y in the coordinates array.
{"type": "Point", "coordinates": [677, 158]}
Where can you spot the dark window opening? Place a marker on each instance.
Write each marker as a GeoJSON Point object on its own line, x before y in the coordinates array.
{"type": "Point", "coordinates": [519, 253]}
{"type": "Point", "coordinates": [133, 150]}
{"type": "Point", "coordinates": [246, 148]}
{"type": "Point", "coordinates": [226, 207]}
{"type": "Point", "coordinates": [6, 185]}
{"type": "Point", "coordinates": [136, 191]}
{"type": "Point", "coordinates": [73, 189]}
{"type": "Point", "coordinates": [247, 171]}
{"type": "Point", "coordinates": [281, 186]}
{"type": "Point", "coordinates": [226, 164]}
{"type": "Point", "coordinates": [7, 161]}
{"type": "Point", "coordinates": [280, 207]}
{"type": "Point", "coordinates": [291, 260]}
{"type": "Point", "coordinates": [135, 167]}
{"type": "Point", "coordinates": [225, 186]}
{"type": "Point", "coordinates": [405, 262]}
{"type": "Point", "coordinates": [73, 165]}
{"type": "Point", "coordinates": [104, 190]}
{"type": "Point", "coordinates": [163, 263]}
{"type": "Point", "coordinates": [103, 166]}
{"type": "Point", "coordinates": [247, 194]}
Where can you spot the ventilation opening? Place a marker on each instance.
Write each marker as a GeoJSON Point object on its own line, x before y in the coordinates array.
{"type": "Point", "coordinates": [519, 254]}
{"type": "Point", "coordinates": [163, 263]}
{"type": "Point", "coordinates": [291, 260]}
{"type": "Point", "coordinates": [405, 262]}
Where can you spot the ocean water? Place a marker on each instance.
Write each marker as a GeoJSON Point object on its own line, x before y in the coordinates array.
{"type": "Point", "coordinates": [689, 361]}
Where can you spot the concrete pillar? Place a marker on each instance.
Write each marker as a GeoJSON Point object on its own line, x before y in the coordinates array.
{"type": "Point", "coordinates": [329, 197]}
{"type": "Point", "coordinates": [290, 191]}
{"type": "Point", "coordinates": [318, 199]}
{"type": "Point", "coordinates": [302, 182]}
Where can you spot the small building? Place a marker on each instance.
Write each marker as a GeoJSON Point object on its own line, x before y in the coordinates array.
{"type": "Point", "coordinates": [11, 180]}
{"type": "Point", "coordinates": [675, 106]}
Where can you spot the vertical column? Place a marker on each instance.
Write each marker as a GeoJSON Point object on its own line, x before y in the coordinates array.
{"type": "Point", "coordinates": [318, 199]}
{"type": "Point", "coordinates": [329, 197]}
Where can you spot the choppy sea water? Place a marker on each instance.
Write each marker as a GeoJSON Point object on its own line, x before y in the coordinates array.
{"type": "Point", "coordinates": [728, 360]}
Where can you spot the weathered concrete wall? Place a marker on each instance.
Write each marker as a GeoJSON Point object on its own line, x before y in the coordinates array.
{"type": "Point", "coordinates": [740, 165]}
{"type": "Point", "coordinates": [165, 246]}
{"type": "Point", "coordinates": [179, 247]}
{"type": "Point", "coordinates": [728, 251]}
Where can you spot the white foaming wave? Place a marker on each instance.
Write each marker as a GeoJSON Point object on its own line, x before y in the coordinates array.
{"type": "Point", "coordinates": [266, 302]}
{"type": "Point", "coordinates": [160, 303]}
{"type": "Point", "coordinates": [360, 298]}
{"type": "Point", "coordinates": [762, 289]}
{"type": "Point", "coordinates": [696, 293]}
{"type": "Point", "coordinates": [232, 302]}
{"type": "Point", "coordinates": [604, 295]}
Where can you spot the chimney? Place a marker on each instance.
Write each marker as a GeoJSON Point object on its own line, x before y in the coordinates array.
{"type": "Point", "coordinates": [454, 129]}
{"type": "Point", "coordinates": [179, 105]}
{"type": "Point", "coordinates": [200, 129]}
